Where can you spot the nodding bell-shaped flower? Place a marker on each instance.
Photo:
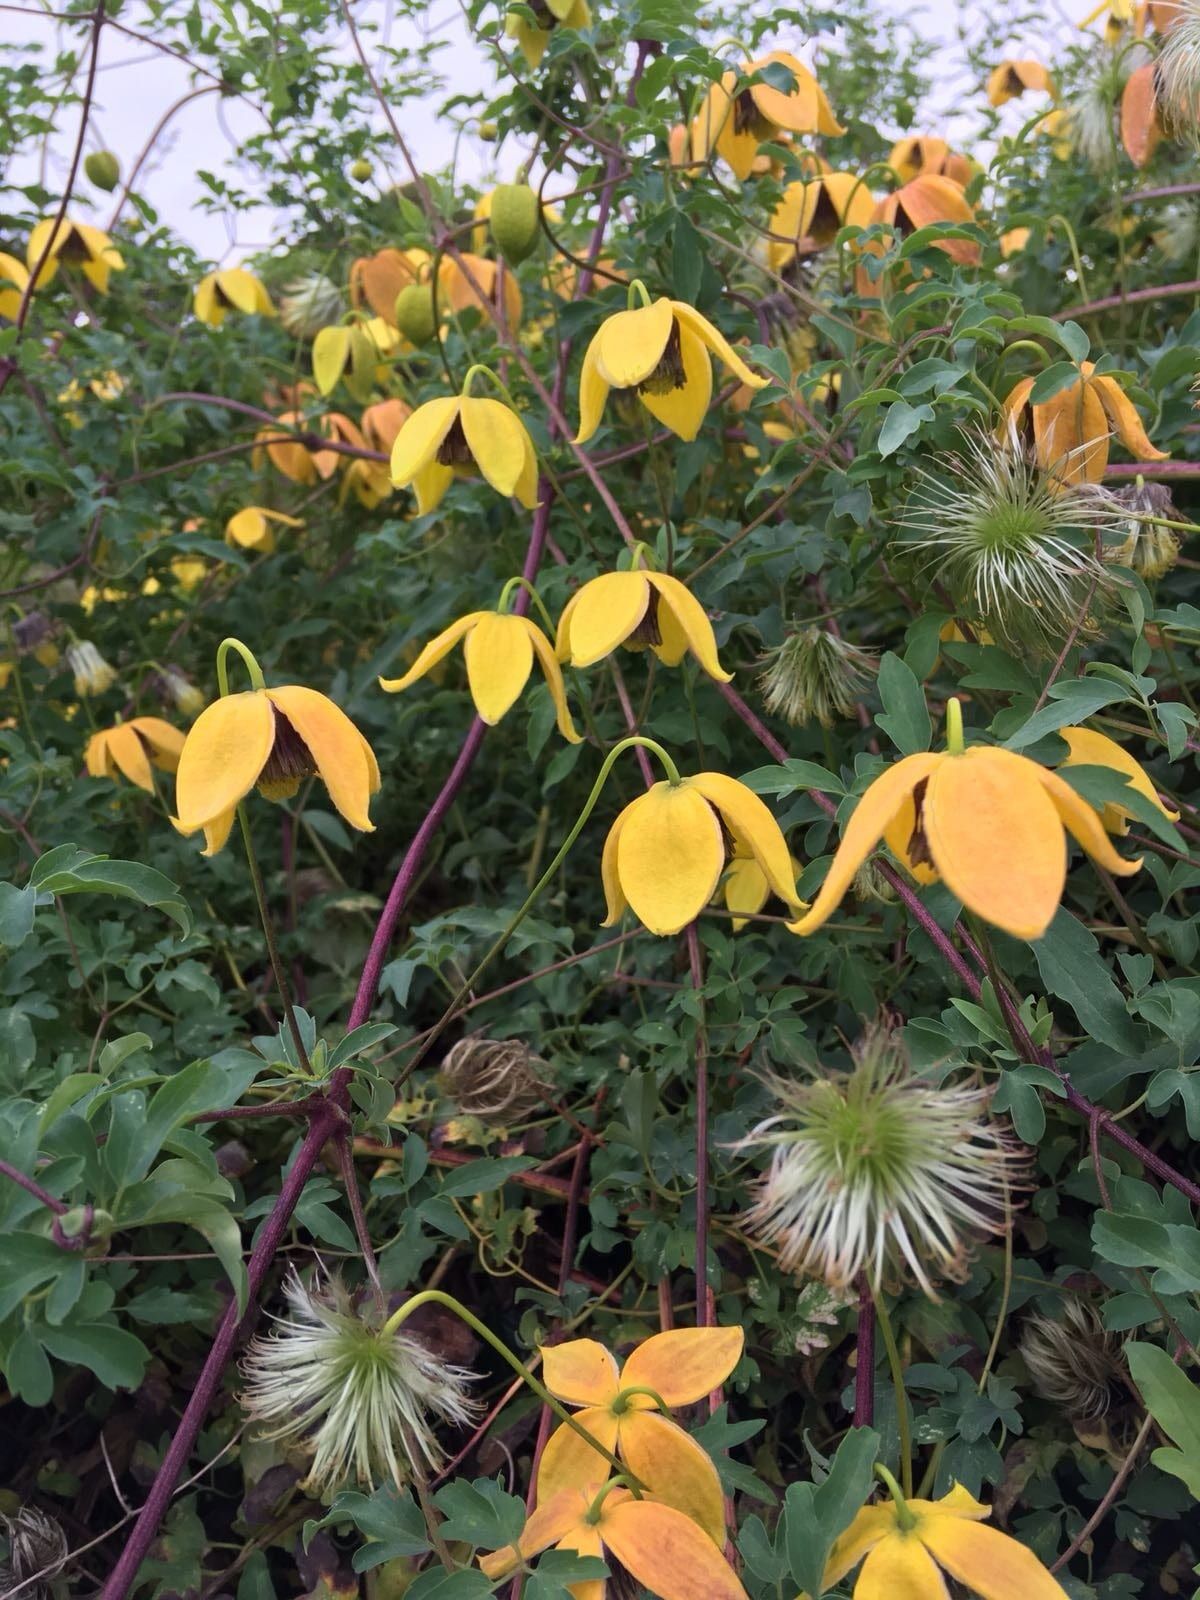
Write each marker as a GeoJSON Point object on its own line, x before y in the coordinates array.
{"type": "Point", "coordinates": [639, 609]}
{"type": "Point", "coordinates": [921, 152]}
{"type": "Point", "coordinates": [270, 739]}
{"type": "Point", "coordinates": [14, 279]}
{"type": "Point", "coordinates": [499, 648]}
{"type": "Point", "coordinates": [532, 38]}
{"type": "Point", "coordinates": [666, 851]}
{"type": "Point", "coordinates": [132, 748]}
{"type": "Point", "coordinates": [734, 121]}
{"type": "Point", "coordinates": [73, 244]}
{"type": "Point", "coordinates": [660, 350]}
{"type": "Point", "coordinates": [460, 434]}
{"type": "Point", "coordinates": [1011, 79]}
{"type": "Point", "coordinates": [1071, 430]}
{"type": "Point", "coordinates": [989, 823]}
{"type": "Point", "coordinates": [251, 528]}
{"type": "Point", "coordinates": [810, 214]}
{"type": "Point", "coordinates": [231, 289]}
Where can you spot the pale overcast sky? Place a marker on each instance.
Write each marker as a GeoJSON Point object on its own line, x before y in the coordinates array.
{"type": "Point", "coordinates": [137, 85]}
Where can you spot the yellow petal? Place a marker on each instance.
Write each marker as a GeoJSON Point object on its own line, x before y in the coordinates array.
{"type": "Point", "coordinates": [330, 352]}
{"type": "Point", "coordinates": [1091, 749]}
{"type": "Point", "coordinates": [225, 750]}
{"type": "Point", "coordinates": [684, 1364]}
{"type": "Point", "coordinates": [670, 855]}
{"type": "Point", "coordinates": [544, 652]}
{"type": "Point", "coordinates": [987, 1561]}
{"type": "Point", "coordinates": [129, 754]}
{"type": "Point", "coordinates": [716, 341]}
{"type": "Point", "coordinates": [496, 437]}
{"type": "Point", "coordinates": [630, 344]}
{"type": "Point", "coordinates": [95, 755]}
{"type": "Point", "coordinates": [996, 839]}
{"type": "Point", "coordinates": [585, 1540]}
{"type": "Point", "coordinates": [581, 1371]}
{"type": "Point", "coordinates": [614, 895]}
{"type": "Point", "coordinates": [870, 1525]}
{"type": "Point", "coordinates": [216, 833]}
{"type": "Point", "coordinates": [1084, 824]}
{"type": "Point", "coordinates": [897, 836]}
{"type": "Point", "coordinates": [666, 1552]}
{"type": "Point", "coordinates": [684, 408]}
{"type": "Point", "coordinates": [242, 287]}
{"type": "Point", "coordinates": [693, 621]}
{"type": "Point", "coordinates": [420, 438]}
{"type": "Point", "coordinates": [526, 487]}
{"type": "Point", "coordinates": [204, 302]}
{"type": "Point", "coordinates": [164, 741]}
{"type": "Point", "coordinates": [499, 656]}
{"type": "Point", "coordinates": [713, 117]}
{"type": "Point", "coordinates": [601, 615]}
{"type": "Point", "coordinates": [864, 830]}
{"type": "Point", "coordinates": [569, 1462]}
{"type": "Point", "coordinates": [546, 1526]}
{"type": "Point", "coordinates": [750, 820]}
{"type": "Point", "coordinates": [1124, 418]}
{"type": "Point", "coordinates": [336, 747]}
{"type": "Point", "coordinates": [804, 109]}
{"type": "Point", "coordinates": [593, 393]}
{"type": "Point", "coordinates": [1071, 434]}
{"type": "Point", "coordinates": [900, 1568]}
{"type": "Point", "coordinates": [433, 652]}
{"type": "Point", "coordinates": [674, 1468]}
{"type": "Point", "coordinates": [430, 484]}
{"type": "Point", "coordinates": [745, 889]}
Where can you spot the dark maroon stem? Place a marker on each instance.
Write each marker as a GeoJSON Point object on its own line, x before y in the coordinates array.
{"type": "Point", "coordinates": [956, 962]}
{"type": "Point", "coordinates": [35, 1189]}
{"type": "Point", "coordinates": [325, 1122]}
{"type": "Point", "coordinates": [864, 1367]}
{"type": "Point", "coordinates": [1153, 469]}
{"type": "Point", "coordinates": [1113, 302]}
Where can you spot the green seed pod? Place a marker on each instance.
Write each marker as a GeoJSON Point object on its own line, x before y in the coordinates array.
{"type": "Point", "coordinates": [488, 131]}
{"type": "Point", "coordinates": [360, 170]}
{"type": "Point", "coordinates": [414, 313]}
{"type": "Point", "coordinates": [514, 221]}
{"type": "Point", "coordinates": [102, 168]}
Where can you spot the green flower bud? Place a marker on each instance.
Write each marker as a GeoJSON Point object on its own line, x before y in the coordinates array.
{"type": "Point", "coordinates": [515, 220]}
{"type": "Point", "coordinates": [102, 168]}
{"type": "Point", "coordinates": [360, 170]}
{"type": "Point", "coordinates": [414, 313]}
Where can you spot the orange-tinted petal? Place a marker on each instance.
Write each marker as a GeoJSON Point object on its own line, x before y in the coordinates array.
{"type": "Point", "coordinates": [684, 1364]}
{"type": "Point", "coordinates": [1084, 824]}
{"type": "Point", "coordinates": [581, 1371]}
{"type": "Point", "coordinates": [666, 1551]}
{"type": "Point", "coordinates": [988, 1562]}
{"type": "Point", "coordinates": [336, 747]}
{"type": "Point", "coordinates": [674, 1468]}
{"type": "Point", "coordinates": [568, 1461]}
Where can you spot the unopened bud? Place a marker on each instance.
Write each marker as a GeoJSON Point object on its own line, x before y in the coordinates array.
{"type": "Point", "coordinates": [360, 170]}
{"type": "Point", "coordinates": [103, 169]}
{"type": "Point", "coordinates": [414, 313]}
{"type": "Point", "coordinates": [515, 221]}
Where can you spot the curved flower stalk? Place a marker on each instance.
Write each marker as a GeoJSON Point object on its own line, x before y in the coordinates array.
{"type": "Point", "coordinates": [666, 851]}
{"type": "Point", "coordinates": [640, 609]}
{"type": "Point", "coordinates": [132, 748]}
{"type": "Point", "coordinates": [362, 1399]}
{"type": "Point", "coordinates": [231, 289]}
{"type": "Point", "coordinates": [880, 1172]}
{"type": "Point", "coordinates": [662, 350]}
{"type": "Point", "coordinates": [987, 822]}
{"type": "Point", "coordinates": [269, 739]}
{"type": "Point", "coordinates": [620, 1410]}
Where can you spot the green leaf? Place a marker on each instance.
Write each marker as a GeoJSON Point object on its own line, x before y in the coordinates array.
{"type": "Point", "coordinates": [1052, 380]}
{"type": "Point", "coordinates": [1171, 1247]}
{"type": "Point", "coordinates": [360, 1039]}
{"type": "Point", "coordinates": [438, 1584]}
{"type": "Point", "coordinates": [905, 716]}
{"type": "Point", "coordinates": [70, 870]}
{"type": "Point", "coordinates": [687, 260]}
{"type": "Point", "coordinates": [793, 777]}
{"type": "Point", "coordinates": [209, 1218]}
{"type": "Point", "coordinates": [16, 914]}
{"type": "Point", "coordinates": [117, 1358]}
{"type": "Point", "coordinates": [1173, 1400]}
{"type": "Point", "coordinates": [1073, 970]}
{"type": "Point", "coordinates": [479, 1177]}
{"type": "Point", "coordinates": [27, 1371]}
{"type": "Point", "coordinates": [480, 1513]}
{"type": "Point", "coordinates": [900, 422]}
{"type": "Point", "coordinates": [1072, 702]}
{"type": "Point", "coordinates": [815, 1515]}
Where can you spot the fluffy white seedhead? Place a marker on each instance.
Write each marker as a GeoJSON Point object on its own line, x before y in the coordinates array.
{"type": "Point", "coordinates": [362, 1401]}
{"type": "Point", "coordinates": [815, 676]}
{"type": "Point", "coordinates": [879, 1171]}
{"type": "Point", "coordinates": [1012, 543]}
{"type": "Point", "coordinates": [1178, 73]}
{"type": "Point", "coordinates": [1074, 1361]}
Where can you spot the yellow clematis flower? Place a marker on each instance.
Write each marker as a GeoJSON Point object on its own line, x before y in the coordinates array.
{"type": "Point", "coordinates": [368, 481]}
{"type": "Point", "coordinates": [734, 122]}
{"type": "Point", "coordinates": [638, 608]}
{"type": "Point", "coordinates": [1071, 430]}
{"type": "Point", "coordinates": [532, 40]}
{"type": "Point", "coordinates": [810, 214]}
{"type": "Point", "coordinates": [75, 244]}
{"type": "Point", "coordinates": [664, 1551]}
{"type": "Point", "coordinates": [346, 352]}
{"type": "Point", "coordinates": [232, 289]}
{"type": "Point", "coordinates": [1091, 749]}
{"type": "Point", "coordinates": [680, 1367]}
{"type": "Point", "coordinates": [270, 739]}
{"type": "Point", "coordinates": [744, 887]}
{"type": "Point", "coordinates": [381, 423]}
{"type": "Point", "coordinates": [921, 153]}
{"type": "Point", "coordinates": [666, 851]}
{"type": "Point", "coordinates": [1113, 11]}
{"type": "Point", "coordinates": [499, 649]}
{"type": "Point", "coordinates": [907, 1548]}
{"type": "Point", "coordinates": [660, 350]}
{"type": "Point", "coordinates": [131, 748]}
{"type": "Point", "coordinates": [251, 528]}
{"type": "Point", "coordinates": [988, 822]}
{"type": "Point", "coordinates": [1012, 78]}
{"type": "Point", "coordinates": [445, 437]}
{"type": "Point", "coordinates": [14, 279]}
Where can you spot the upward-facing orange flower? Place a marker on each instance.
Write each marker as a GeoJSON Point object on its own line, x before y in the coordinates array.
{"type": "Point", "coordinates": [1071, 430]}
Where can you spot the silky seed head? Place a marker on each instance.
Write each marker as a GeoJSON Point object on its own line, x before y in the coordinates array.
{"type": "Point", "coordinates": [308, 304]}
{"type": "Point", "coordinates": [1073, 1360]}
{"type": "Point", "coordinates": [879, 1171]}
{"type": "Point", "coordinates": [1178, 73]}
{"type": "Point", "coordinates": [1011, 543]}
{"type": "Point", "coordinates": [815, 676]}
{"type": "Point", "coordinates": [1149, 547]}
{"type": "Point", "coordinates": [496, 1080]}
{"type": "Point", "coordinates": [361, 1400]}
{"type": "Point", "coordinates": [36, 1545]}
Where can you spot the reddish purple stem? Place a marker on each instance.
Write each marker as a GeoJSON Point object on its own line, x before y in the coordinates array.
{"type": "Point", "coordinates": [864, 1366]}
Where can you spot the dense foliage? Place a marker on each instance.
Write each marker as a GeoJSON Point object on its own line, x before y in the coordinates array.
{"type": "Point", "coordinates": [920, 1160]}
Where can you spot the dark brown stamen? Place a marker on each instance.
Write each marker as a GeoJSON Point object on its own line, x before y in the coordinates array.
{"type": "Point", "coordinates": [647, 631]}
{"type": "Point", "coordinates": [453, 450]}
{"type": "Point", "coordinates": [73, 247]}
{"type": "Point", "coordinates": [747, 118]}
{"type": "Point", "coordinates": [669, 373]}
{"type": "Point", "coordinates": [825, 220]}
{"type": "Point", "coordinates": [918, 844]}
{"type": "Point", "coordinates": [290, 761]}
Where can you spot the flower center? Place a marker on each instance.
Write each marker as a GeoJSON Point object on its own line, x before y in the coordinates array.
{"type": "Point", "coordinates": [74, 247]}
{"type": "Point", "coordinates": [454, 450]}
{"type": "Point", "coordinates": [669, 373]}
{"type": "Point", "coordinates": [647, 631]}
{"type": "Point", "coordinates": [918, 845]}
{"type": "Point", "coordinates": [1011, 527]}
{"type": "Point", "coordinates": [290, 761]}
{"type": "Point", "coordinates": [747, 118]}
